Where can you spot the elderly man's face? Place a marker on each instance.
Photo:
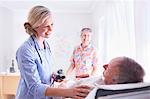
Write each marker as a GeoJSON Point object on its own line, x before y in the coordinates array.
{"type": "Point", "coordinates": [111, 71]}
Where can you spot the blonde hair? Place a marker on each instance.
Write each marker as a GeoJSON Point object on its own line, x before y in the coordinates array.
{"type": "Point", "coordinates": [36, 17]}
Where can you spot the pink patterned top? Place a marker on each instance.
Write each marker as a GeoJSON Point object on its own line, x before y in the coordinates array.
{"type": "Point", "coordinates": [84, 59]}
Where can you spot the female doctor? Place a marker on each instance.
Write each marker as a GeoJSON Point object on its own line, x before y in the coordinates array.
{"type": "Point", "coordinates": [34, 61]}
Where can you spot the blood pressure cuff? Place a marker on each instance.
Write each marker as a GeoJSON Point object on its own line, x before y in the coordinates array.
{"type": "Point", "coordinates": [107, 92]}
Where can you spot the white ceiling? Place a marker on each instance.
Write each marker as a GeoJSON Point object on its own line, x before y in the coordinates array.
{"type": "Point", "coordinates": [84, 6]}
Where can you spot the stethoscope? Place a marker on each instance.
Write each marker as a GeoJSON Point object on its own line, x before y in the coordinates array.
{"type": "Point", "coordinates": [40, 55]}
{"type": "Point", "coordinates": [37, 49]}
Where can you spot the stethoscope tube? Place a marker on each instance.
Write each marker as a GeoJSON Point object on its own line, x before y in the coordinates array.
{"type": "Point", "coordinates": [52, 82]}
{"type": "Point", "coordinates": [37, 50]}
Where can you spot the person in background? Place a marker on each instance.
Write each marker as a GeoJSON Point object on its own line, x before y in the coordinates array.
{"type": "Point", "coordinates": [122, 70]}
{"type": "Point", "coordinates": [34, 61]}
{"type": "Point", "coordinates": [84, 59]}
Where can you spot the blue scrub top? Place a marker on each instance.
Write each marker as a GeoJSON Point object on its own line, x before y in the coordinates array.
{"type": "Point", "coordinates": [35, 70]}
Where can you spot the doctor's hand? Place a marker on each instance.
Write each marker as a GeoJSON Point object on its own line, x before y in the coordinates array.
{"type": "Point", "coordinates": [79, 92]}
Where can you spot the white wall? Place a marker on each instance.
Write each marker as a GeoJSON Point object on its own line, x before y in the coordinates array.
{"type": "Point", "coordinates": [6, 38]}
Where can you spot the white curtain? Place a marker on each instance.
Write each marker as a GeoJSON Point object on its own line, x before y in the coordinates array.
{"type": "Point", "coordinates": [125, 31]}
{"type": "Point", "coordinates": [142, 30]}
{"type": "Point", "coordinates": [118, 30]}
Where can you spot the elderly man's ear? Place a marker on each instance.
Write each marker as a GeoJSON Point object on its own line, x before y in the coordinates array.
{"type": "Point", "coordinates": [105, 66]}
